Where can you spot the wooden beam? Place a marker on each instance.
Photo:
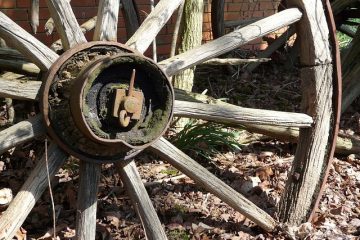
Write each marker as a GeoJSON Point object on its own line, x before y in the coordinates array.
{"type": "Point", "coordinates": [240, 115]}
{"type": "Point", "coordinates": [272, 48]}
{"type": "Point", "coordinates": [66, 23]}
{"type": "Point", "coordinates": [16, 66]}
{"type": "Point", "coordinates": [21, 132]}
{"type": "Point", "coordinates": [211, 183]}
{"type": "Point", "coordinates": [130, 14]}
{"type": "Point", "coordinates": [20, 207]}
{"type": "Point", "coordinates": [240, 23]}
{"type": "Point", "coordinates": [85, 27]}
{"type": "Point", "coordinates": [87, 200]}
{"type": "Point", "coordinates": [230, 41]}
{"type": "Point", "coordinates": [313, 156]}
{"type": "Point", "coordinates": [344, 144]}
{"type": "Point", "coordinates": [152, 25]}
{"type": "Point", "coordinates": [141, 200]}
{"type": "Point", "coordinates": [12, 54]}
{"type": "Point", "coordinates": [18, 89]}
{"type": "Point", "coordinates": [107, 20]}
{"type": "Point", "coordinates": [25, 43]}
{"type": "Point", "coordinates": [234, 61]}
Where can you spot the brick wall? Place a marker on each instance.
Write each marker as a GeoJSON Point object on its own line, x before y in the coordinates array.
{"type": "Point", "coordinates": [19, 11]}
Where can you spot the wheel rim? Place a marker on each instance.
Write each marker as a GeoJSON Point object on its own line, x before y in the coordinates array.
{"type": "Point", "coordinates": [128, 169]}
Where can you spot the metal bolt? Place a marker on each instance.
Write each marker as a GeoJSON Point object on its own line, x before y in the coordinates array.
{"type": "Point", "coordinates": [130, 104]}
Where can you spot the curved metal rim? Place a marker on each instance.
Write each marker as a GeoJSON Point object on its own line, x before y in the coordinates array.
{"type": "Point", "coordinates": [44, 91]}
{"type": "Point", "coordinates": [83, 125]}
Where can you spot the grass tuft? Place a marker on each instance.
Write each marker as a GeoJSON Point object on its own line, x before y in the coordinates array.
{"type": "Point", "coordinates": [206, 139]}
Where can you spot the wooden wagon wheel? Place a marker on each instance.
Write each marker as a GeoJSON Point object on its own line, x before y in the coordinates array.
{"type": "Point", "coordinates": [85, 90]}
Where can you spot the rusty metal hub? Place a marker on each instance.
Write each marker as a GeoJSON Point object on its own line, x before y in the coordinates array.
{"type": "Point", "coordinates": [104, 102]}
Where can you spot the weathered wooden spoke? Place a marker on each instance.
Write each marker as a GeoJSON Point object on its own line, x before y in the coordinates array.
{"type": "Point", "coordinates": [230, 41]}
{"type": "Point", "coordinates": [21, 132]}
{"type": "Point", "coordinates": [152, 25]}
{"type": "Point", "coordinates": [131, 17]}
{"type": "Point", "coordinates": [66, 23]}
{"type": "Point", "coordinates": [24, 42]}
{"type": "Point", "coordinates": [87, 200]}
{"type": "Point", "coordinates": [235, 115]}
{"type": "Point", "coordinates": [17, 89]}
{"type": "Point", "coordinates": [211, 183]}
{"type": "Point", "coordinates": [15, 215]}
{"type": "Point", "coordinates": [107, 19]}
{"type": "Point", "coordinates": [141, 200]}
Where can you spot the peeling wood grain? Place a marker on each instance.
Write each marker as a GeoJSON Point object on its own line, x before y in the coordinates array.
{"type": "Point", "coordinates": [152, 25]}
{"type": "Point", "coordinates": [238, 115]}
{"type": "Point", "coordinates": [230, 41]}
{"type": "Point", "coordinates": [25, 43]}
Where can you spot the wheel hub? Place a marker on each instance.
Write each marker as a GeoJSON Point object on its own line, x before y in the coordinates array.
{"type": "Point", "coordinates": [104, 102]}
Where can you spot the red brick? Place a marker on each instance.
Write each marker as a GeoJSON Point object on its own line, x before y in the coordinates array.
{"type": "Point", "coordinates": [83, 3]}
{"type": "Point", "coordinates": [16, 14]}
{"type": "Point", "coordinates": [22, 3]}
{"type": "Point", "coordinates": [85, 12]}
{"type": "Point", "coordinates": [44, 13]}
{"type": "Point", "coordinates": [7, 4]}
{"type": "Point", "coordinates": [25, 25]}
{"type": "Point", "coordinates": [267, 5]}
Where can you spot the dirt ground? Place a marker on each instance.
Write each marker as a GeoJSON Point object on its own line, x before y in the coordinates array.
{"type": "Point", "coordinates": [258, 170]}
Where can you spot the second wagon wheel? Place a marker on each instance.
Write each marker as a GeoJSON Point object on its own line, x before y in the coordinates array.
{"type": "Point", "coordinates": [105, 102]}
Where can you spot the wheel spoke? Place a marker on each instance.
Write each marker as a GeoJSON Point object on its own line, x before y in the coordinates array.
{"type": "Point", "coordinates": [30, 192]}
{"type": "Point", "coordinates": [107, 20]}
{"type": "Point", "coordinates": [130, 17]}
{"type": "Point", "coordinates": [22, 67]}
{"type": "Point", "coordinates": [272, 48]}
{"type": "Point", "coordinates": [32, 48]}
{"type": "Point", "coordinates": [230, 41]}
{"type": "Point", "coordinates": [238, 115]}
{"type": "Point", "coordinates": [17, 89]}
{"type": "Point", "coordinates": [66, 23]}
{"type": "Point", "coordinates": [141, 200]}
{"type": "Point", "coordinates": [152, 25]}
{"type": "Point", "coordinates": [87, 201]}
{"type": "Point", "coordinates": [85, 27]}
{"type": "Point", "coordinates": [21, 132]}
{"type": "Point", "coordinates": [214, 185]}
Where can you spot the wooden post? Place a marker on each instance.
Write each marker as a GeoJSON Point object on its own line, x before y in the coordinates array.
{"type": "Point", "coordinates": [191, 37]}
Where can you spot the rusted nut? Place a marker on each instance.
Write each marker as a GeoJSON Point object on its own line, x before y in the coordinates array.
{"type": "Point", "coordinates": [132, 105]}
{"type": "Point", "coordinates": [124, 119]}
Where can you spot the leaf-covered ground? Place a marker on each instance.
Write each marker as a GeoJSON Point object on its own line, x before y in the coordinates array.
{"type": "Point", "coordinates": [258, 170]}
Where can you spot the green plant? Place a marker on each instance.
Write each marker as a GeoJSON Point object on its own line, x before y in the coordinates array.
{"type": "Point", "coordinates": [178, 235]}
{"type": "Point", "coordinates": [344, 39]}
{"type": "Point", "coordinates": [206, 139]}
